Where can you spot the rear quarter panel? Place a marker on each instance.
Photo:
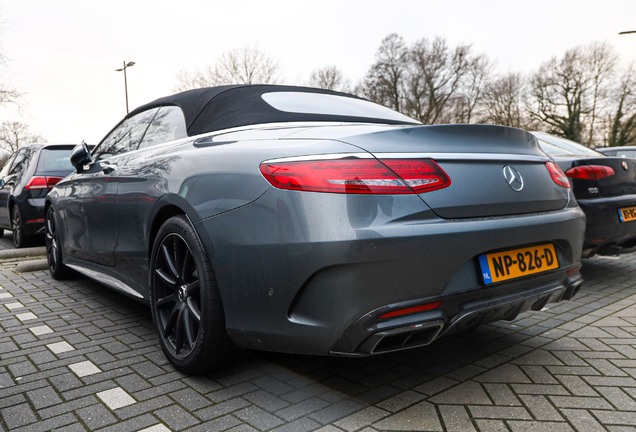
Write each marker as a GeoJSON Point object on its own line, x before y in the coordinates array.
{"type": "Point", "coordinates": [203, 180]}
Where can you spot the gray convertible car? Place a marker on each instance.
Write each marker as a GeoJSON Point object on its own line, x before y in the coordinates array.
{"type": "Point", "coordinates": [307, 221]}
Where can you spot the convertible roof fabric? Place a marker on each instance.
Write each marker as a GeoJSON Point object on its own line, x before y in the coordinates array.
{"type": "Point", "coordinates": [216, 108]}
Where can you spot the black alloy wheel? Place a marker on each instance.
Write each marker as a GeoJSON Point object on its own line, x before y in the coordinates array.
{"type": "Point", "coordinates": [20, 238]}
{"type": "Point", "coordinates": [177, 295]}
{"type": "Point", "coordinates": [185, 301]}
{"type": "Point", "coordinates": [53, 252]}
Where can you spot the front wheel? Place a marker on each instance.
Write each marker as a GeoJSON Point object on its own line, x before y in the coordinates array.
{"type": "Point", "coordinates": [53, 252]}
{"type": "Point", "coordinates": [186, 304]}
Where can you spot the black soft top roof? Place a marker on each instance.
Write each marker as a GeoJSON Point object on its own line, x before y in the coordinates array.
{"type": "Point", "coordinates": [216, 108]}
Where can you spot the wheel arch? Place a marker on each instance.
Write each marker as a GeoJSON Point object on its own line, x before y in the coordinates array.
{"type": "Point", "coordinates": [161, 216]}
{"type": "Point", "coordinates": [167, 206]}
{"type": "Point", "coordinates": [12, 204]}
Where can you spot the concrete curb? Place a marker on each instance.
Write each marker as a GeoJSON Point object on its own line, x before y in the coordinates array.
{"type": "Point", "coordinates": [29, 266]}
{"type": "Point", "coordinates": [19, 253]}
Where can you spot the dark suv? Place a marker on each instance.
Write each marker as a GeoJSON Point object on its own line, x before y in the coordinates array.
{"type": "Point", "coordinates": [25, 179]}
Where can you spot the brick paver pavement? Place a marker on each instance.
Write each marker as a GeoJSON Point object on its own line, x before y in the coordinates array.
{"type": "Point", "coordinates": [6, 240]}
{"type": "Point", "coordinates": [76, 356]}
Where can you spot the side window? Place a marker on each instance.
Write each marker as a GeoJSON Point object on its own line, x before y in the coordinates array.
{"type": "Point", "coordinates": [126, 136]}
{"type": "Point", "coordinates": [626, 153]}
{"type": "Point", "coordinates": [7, 165]}
{"type": "Point", "coordinates": [168, 125]}
{"type": "Point", "coordinates": [18, 162]}
{"type": "Point", "coordinates": [21, 161]}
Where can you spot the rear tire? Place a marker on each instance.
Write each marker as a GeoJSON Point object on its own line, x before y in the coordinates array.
{"type": "Point", "coordinates": [20, 238]}
{"type": "Point", "coordinates": [186, 303]}
{"type": "Point", "coordinates": [53, 249]}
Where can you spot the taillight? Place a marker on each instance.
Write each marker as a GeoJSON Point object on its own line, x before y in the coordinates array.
{"type": "Point", "coordinates": [590, 172]}
{"type": "Point", "coordinates": [421, 175]}
{"type": "Point", "coordinates": [359, 176]}
{"type": "Point", "coordinates": [557, 174]}
{"type": "Point", "coordinates": [42, 182]}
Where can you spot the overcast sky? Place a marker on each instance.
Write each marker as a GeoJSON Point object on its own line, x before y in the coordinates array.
{"type": "Point", "coordinates": [63, 53]}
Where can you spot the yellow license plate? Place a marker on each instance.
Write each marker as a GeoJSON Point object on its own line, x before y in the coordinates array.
{"type": "Point", "coordinates": [627, 214]}
{"type": "Point", "coordinates": [501, 266]}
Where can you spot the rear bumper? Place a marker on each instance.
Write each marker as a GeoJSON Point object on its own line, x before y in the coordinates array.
{"type": "Point", "coordinates": [32, 212]}
{"type": "Point", "coordinates": [605, 234]}
{"type": "Point", "coordinates": [469, 311]}
{"type": "Point", "coordinates": [298, 270]}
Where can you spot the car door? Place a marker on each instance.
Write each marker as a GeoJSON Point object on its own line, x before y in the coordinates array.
{"type": "Point", "coordinates": [142, 181]}
{"type": "Point", "coordinates": [6, 186]}
{"type": "Point", "coordinates": [88, 200]}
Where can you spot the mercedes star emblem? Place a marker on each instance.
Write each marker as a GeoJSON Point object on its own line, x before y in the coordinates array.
{"type": "Point", "coordinates": [514, 179]}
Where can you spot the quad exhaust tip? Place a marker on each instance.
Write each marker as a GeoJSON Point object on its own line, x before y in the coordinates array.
{"type": "Point", "coordinates": [402, 338]}
{"type": "Point", "coordinates": [572, 290]}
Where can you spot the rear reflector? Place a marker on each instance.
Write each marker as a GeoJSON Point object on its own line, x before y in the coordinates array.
{"type": "Point", "coordinates": [573, 271]}
{"type": "Point", "coordinates": [411, 310]}
{"type": "Point", "coordinates": [42, 182]}
{"type": "Point", "coordinates": [557, 174]}
{"type": "Point", "coordinates": [35, 220]}
{"type": "Point", "coordinates": [360, 176]}
{"type": "Point", "coordinates": [590, 172]}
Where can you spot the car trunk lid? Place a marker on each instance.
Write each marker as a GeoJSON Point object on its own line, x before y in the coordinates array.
{"type": "Point", "coordinates": [620, 180]}
{"type": "Point", "coordinates": [484, 164]}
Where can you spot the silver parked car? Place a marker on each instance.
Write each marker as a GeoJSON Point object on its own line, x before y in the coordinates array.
{"type": "Point", "coordinates": [308, 221]}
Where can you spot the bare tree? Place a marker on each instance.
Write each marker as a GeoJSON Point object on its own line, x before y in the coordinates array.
{"type": "Point", "coordinates": [602, 63]}
{"type": "Point", "coordinates": [557, 95]}
{"type": "Point", "coordinates": [385, 80]}
{"type": "Point", "coordinates": [622, 120]}
{"type": "Point", "coordinates": [473, 87]}
{"type": "Point", "coordinates": [14, 135]}
{"type": "Point", "coordinates": [428, 81]}
{"type": "Point", "coordinates": [569, 94]}
{"type": "Point", "coordinates": [10, 95]}
{"type": "Point", "coordinates": [503, 101]}
{"type": "Point", "coordinates": [435, 77]}
{"type": "Point", "coordinates": [329, 78]}
{"type": "Point", "coordinates": [246, 65]}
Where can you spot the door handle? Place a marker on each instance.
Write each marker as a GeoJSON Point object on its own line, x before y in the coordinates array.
{"type": "Point", "coordinates": [107, 168]}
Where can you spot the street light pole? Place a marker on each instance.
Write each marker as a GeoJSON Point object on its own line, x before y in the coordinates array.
{"type": "Point", "coordinates": [126, 66]}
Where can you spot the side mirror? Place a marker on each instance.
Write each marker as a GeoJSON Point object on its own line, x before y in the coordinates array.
{"type": "Point", "coordinates": [80, 156]}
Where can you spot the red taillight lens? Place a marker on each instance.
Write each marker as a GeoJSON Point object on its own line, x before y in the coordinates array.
{"type": "Point", "coordinates": [360, 176]}
{"type": "Point", "coordinates": [41, 182]}
{"type": "Point", "coordinates": [557, 174]}
{"type": "Point", "coordinates": [421, 175]}
{"type": "Point", "coordinates": [590, 172]}
{"type": "Point", "coordinates": [411, 310]}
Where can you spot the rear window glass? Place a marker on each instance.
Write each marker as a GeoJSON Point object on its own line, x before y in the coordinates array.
{"type": "Point", "coordinates": [553, 150]}
{"type": "Point", "coordinates": [316, 103]}
{"type": "Point", "coordinates": [55, 160]}
{"type": "Point", "coordinates": [626, 153]}
{"type": "Point", "coordinates": [567, 145]}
